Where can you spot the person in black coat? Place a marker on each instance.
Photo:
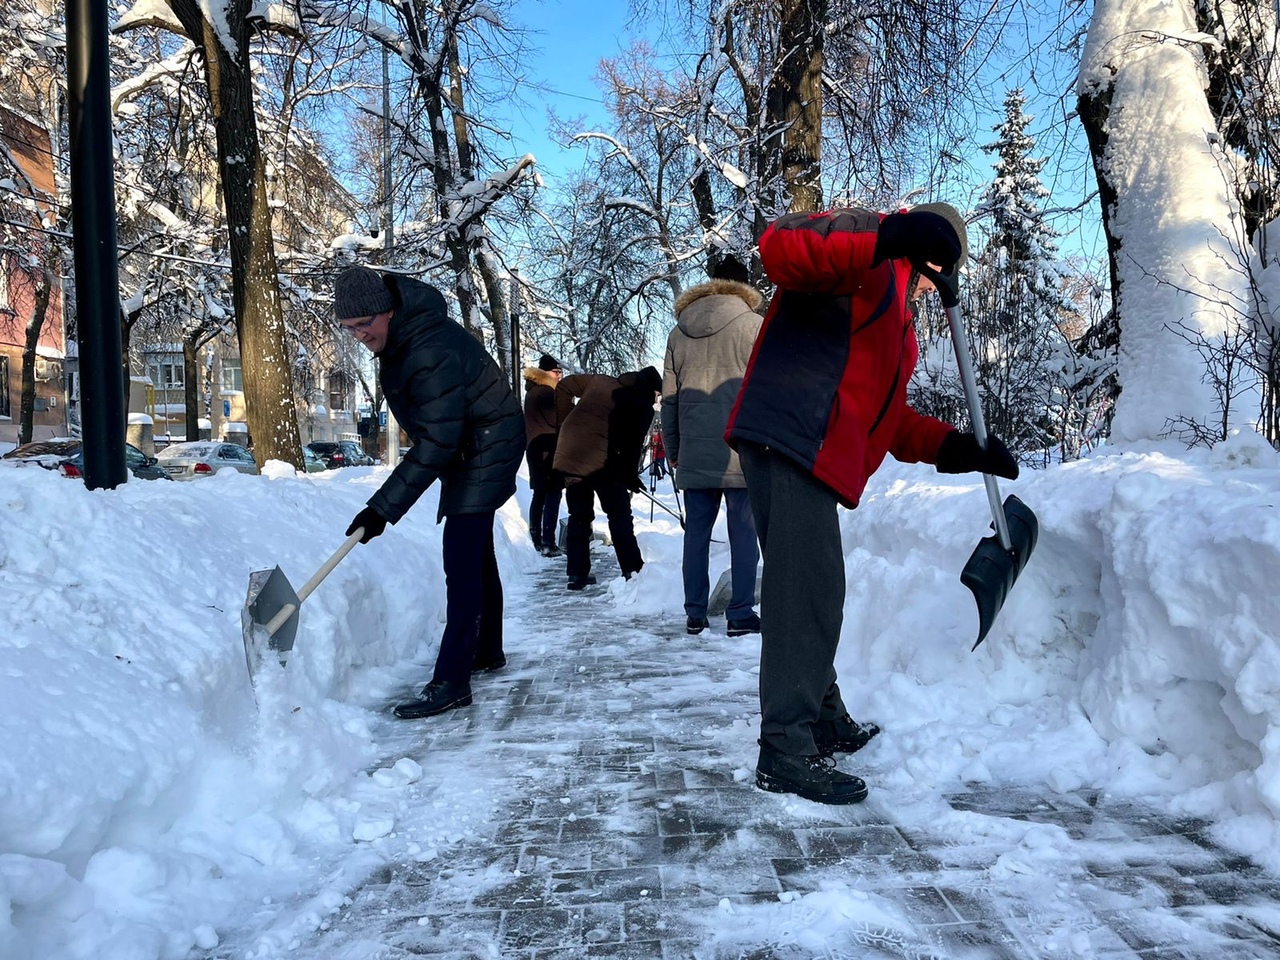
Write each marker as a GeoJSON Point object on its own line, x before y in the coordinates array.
{"type": "Point", "coordinates": [540, 426]}
{"type": "Point", "coordinates": [468, 432]}
{"type": "Point", "coordinates": [601, 439]}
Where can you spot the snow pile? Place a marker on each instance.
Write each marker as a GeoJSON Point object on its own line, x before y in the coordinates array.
{"type": "Point", "coordinates": [146, 801]}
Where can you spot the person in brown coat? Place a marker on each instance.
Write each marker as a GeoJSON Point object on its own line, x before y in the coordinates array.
{"type": "Point", "coordinates": [540, 427]}
{"type": "Point", "coordinates": [598, 451]}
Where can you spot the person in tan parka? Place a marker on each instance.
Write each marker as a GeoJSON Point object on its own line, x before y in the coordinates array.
{"type": "Point", "coordinates": [707, 353]}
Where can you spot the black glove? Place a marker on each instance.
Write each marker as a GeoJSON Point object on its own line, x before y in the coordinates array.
{"type": "Point", "coordinates": [960, 453]}
{"type": "Point", "coordinates": [372, 521]}
{"type": "Point", "coordinates": [920, 237]}
{"type": "Point", "coordinates": [635, 484]}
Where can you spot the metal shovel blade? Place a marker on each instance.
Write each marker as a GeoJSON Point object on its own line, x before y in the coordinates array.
{"type": "Point", "coordinates": [992, 570]}
{"type": "Point", "coordinates": [269, 593]}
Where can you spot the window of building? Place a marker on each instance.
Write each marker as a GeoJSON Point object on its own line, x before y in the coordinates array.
{"type": "Point", "coordinates": [232, 376]}
{"type": "Point", "coordinates": [339, 387]}
{"type": "Point", "coordinates": [4, 387]}
{"type": "Point", "coordinates": [167, 375]}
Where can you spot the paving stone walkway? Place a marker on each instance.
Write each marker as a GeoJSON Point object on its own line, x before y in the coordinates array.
{"type": "Point", "coordinates": [636, 836]}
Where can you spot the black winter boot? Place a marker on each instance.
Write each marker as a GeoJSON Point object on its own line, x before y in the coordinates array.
{"type": "Point", "coordinates": [740, 628]}
{"type": "Point", "coordinates": [695, 625]}
{"type": "Point", "coordinates": [581, 581]}
{"type": "Point", "coordinates": [842, 735]}
{"type": "Point", "coordinates": [811, 777]}
{"type": "Point", "coordinates": [437, 697]}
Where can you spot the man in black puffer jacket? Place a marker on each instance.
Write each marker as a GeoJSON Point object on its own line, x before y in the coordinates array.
{"type": "Point", "coordinates": [468, 432]}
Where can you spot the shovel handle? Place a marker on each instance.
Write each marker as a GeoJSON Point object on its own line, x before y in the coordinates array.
{"type": "Point", "coordinates": [288, 610]}
{"type": "Point", "coordinates": [969, 382]}
{"type": "Point", "coordinates": [327, 567]}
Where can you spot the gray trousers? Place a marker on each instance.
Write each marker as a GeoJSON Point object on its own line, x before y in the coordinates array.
{"type": "Point", "coordinates": [701, 509]}
{"type": "Point", "coordinates": [801, 598]}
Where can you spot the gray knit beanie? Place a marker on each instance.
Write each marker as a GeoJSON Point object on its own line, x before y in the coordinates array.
{"type": "Point", "coordinates": [952, 216]}
{"type": "Point", "coordinates": [360, 292]}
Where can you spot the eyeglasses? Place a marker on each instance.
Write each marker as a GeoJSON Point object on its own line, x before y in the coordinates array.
{"type": "Point", "coordinates": [359, 325]}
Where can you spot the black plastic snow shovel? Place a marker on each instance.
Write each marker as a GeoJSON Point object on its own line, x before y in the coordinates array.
{"type": "Point", "coordinates": [269, 619]}
{"type": "Point", "coordinates": [997, 560]}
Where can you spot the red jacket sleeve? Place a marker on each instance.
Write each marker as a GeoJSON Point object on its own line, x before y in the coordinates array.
{"type": "Point", "coordinates": [918, 437]}
{"type": "Point", "coordinates": [820, 252]}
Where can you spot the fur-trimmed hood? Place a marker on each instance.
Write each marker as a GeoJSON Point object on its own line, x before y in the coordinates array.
{"type": "Point", "coordinates": [703, 322]}
{"type": "Point", "coordinates": [540, 377]}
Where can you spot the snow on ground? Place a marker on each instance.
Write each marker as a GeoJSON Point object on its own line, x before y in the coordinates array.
{"type": "Point", "coordinates": [146, 802]}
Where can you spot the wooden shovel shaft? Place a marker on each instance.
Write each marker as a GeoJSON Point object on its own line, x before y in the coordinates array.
{"type": "Point", "coordinates": [288, 610]}
{"type": "Point", "coordinates": [960, 341]}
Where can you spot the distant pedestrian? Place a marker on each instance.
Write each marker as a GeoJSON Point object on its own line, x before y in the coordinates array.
{"type": "Point", "coordinates": [707, 354]}
{"type": "Point", "coordinates": [601, 441]}
{"type": "Point", "coordinates": [458, 409]}
{"type": "Point", "coordinates": [824, 400]}
{"type": "Point", "coordinates": [540, 426]}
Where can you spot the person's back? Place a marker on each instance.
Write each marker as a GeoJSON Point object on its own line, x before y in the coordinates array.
{"type": "Point", "coordinates": [707, 354]}
{"type": "Point", "coordinates": [541, 427]}
{"type": "Point", "coordinates": [598, 451]}
{"type": "Point", "coordinates": [450, 397]}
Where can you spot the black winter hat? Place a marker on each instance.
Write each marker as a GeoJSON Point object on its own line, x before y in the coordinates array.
{"type": "Point", "coordinates": [360, 292]}
{"type": "Point", "coordinates": [548, 362]}
{"type": "Point", "coordinates": [730, 268]}
{"type": "Point", "coordinates": [953, 217]}
{"type": "Point", "coordinates": [649, 378]}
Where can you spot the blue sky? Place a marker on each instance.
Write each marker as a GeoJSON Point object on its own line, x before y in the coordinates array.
{"type": "Point", "coordinates": [571, 37]}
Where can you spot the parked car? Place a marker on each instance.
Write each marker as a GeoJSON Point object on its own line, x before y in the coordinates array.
{"type": "Point", "coordinates": [313, 462]}
{"type": "Point", "coordinates": [204, 458]}
{"type": "Point", "coordinates": [66, 455]}
{"type": "Point", "coordinates": [341, 453]}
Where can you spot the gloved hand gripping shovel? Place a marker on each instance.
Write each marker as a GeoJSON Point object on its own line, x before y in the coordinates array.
{"type": "Point", "coordinates": [269, 619]}
{"type": "Point", "coordinates": [996, 561]}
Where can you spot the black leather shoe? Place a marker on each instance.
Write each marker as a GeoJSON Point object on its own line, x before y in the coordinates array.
{"type": "Point", "coordinates": [842, 735]}
{"type": "Point", "coordinates": [552, 551]}
{"type": "Point", "coordinates": [740, 628]}
{"type": "Point", "coordinates": [580, 583]}
{"type": "Point", "coordinates": [489, 666]}
{"type": "Point", "coordinates": [695, 625]}
{"type": "Point", "coordinates": [436, 698]}
{"type": "Point", "coordinates": [810, 777]}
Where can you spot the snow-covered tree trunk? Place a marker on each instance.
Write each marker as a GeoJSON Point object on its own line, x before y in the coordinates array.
{"type": "Point", "coordinates": [794, 102]}
{"type": "Point", "coordinates": [264, 356]}
{"type": "Point", "coordinates": [1168, 199]}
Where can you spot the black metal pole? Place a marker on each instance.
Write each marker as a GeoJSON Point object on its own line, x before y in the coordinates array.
{"type": "Point", "coordinates": [93, 219]}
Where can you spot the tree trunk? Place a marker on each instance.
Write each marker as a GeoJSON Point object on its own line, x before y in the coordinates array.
{"type": "Point", "coordinates": [498, 315]}
{"type": "Point", "coordinates": [255, 294]}
{"type": "Point", "coordinates": [794, 102]}
{"type": "Point", "coordinates": [191, 382]}
{"type": "Point", "coordinates": [1176, 277]}
{"type": "Point", "coordinates": [27, 403]}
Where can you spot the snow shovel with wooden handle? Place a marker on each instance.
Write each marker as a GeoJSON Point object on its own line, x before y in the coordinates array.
{"type": "Point", "coordinates": [997, 560]}
{"type": "Point", "coordinates": [269, 619]}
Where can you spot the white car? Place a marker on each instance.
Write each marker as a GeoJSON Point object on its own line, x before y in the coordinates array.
{"type": "Point", "coordinates": [204, 458]}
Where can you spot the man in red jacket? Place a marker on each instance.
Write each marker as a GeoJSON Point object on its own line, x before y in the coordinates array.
{"type": "Point", "coordinates": [824, 399]}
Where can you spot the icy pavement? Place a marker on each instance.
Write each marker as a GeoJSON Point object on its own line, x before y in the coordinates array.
{"type": "Point", "coordinates": [598, 800]}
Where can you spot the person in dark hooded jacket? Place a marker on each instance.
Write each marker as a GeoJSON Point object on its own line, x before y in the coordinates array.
{"type": "Point", "coordinates": [545, 483]}
{"type": "Point", "coordinates": [601, 440]}
{"type": "Point", "coordinates": [468, 432]}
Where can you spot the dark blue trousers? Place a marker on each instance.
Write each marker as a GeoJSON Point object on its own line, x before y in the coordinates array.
{"type": "Point", "coordinates": [701, 509]}
{"type": "Point", "coordinates": [473, 597]}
